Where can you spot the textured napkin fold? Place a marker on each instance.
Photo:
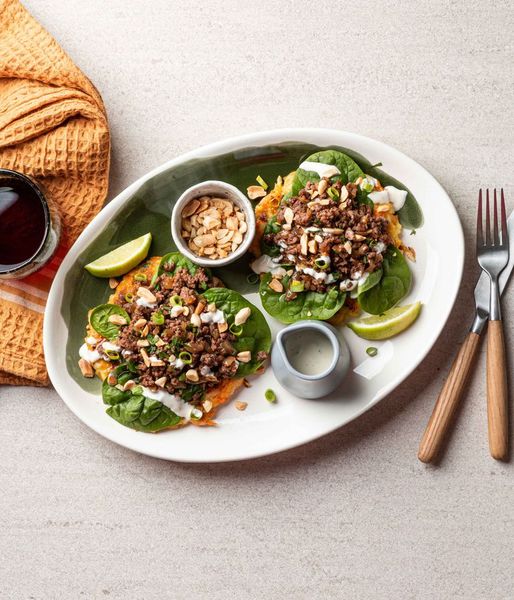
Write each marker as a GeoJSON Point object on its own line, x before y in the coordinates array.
{"type": "Point", "coordinates": [53, 127]}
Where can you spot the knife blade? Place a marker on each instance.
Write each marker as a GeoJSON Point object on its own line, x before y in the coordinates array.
{"type": "Point", "coordinates": [483, 286]}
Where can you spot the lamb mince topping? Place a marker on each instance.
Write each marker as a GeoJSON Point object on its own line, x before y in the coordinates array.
{"type": "Point", "coordinates": [175, 340]}
{"type": "Point", "coordinates": [326, 237]}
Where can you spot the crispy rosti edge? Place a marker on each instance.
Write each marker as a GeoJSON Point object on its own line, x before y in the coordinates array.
{"type": "Point", "coordinates": [267, 208]}
{"type": "Point", "coordinates": [219, 395]}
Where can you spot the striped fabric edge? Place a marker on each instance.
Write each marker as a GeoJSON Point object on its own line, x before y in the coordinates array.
{"type": "Point", "coordinates": [32, 291]}
{"type": "Point", "coordinates": [22, 301]}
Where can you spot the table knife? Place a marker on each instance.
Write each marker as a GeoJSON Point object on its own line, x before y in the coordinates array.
{"type": "Point", "coordinates": [450, 396]}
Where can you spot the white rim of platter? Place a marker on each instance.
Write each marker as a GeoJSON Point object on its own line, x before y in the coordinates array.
{"type": "Point", "coordinates": [266, 428]}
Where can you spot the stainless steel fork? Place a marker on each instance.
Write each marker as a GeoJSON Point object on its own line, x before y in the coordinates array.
{"type": "Point", "coordinates": [493, 256]}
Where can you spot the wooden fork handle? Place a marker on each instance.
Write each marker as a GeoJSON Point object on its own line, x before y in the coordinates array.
{"type": "Point", "coordinates": [497, 392]}
{"type": "Point", "coordinates": [448, 401]}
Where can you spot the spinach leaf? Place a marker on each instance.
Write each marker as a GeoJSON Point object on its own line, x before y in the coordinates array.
{"type": "Point", "coordinates": [143, 414]}
{"type": "Point", "coordinates": [125, 367]}
{"type": "Point", "coordinates": [371, 281]}
{"type": "Point", "coordinates": [188, 393]}
{"type": "Point", "coordinates": [410, 214]}
{"type": "Point", "coordinates": [307, 305]}
{"type": "Point", "coordinates": [271, 227]}
{"type": "Point", "coordinates": [180, 262]}
{"type": "Point", "coordinates": [99, 320]}
{"type": "Point", "coordinates": [256, 334]}
{"type": "Point", "coordinates": [124, 377]}
{"type": "Point", "coordinates": [350, 170]}
{"type": "Point", "coordinates": [392, 287]}
{"type": "Point", "coordinates": [363, 198]}
{"type": "Point", "coordinates": [112, 395]}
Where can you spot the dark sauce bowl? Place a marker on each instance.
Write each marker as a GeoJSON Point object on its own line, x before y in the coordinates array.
{"type": "Point", "coordinates": [29, 227]}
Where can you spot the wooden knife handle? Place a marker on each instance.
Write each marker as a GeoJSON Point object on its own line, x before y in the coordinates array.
{"type": "Point", "coordinates": [497, 392]}
{"type": "Point", "coordinates": [448, 400]}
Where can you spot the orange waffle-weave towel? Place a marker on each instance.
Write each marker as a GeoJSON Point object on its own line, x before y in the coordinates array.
{"type": "Point", "coordinates": [53, 127]}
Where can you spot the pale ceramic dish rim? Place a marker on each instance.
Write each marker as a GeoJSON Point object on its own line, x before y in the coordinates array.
{"type": "Point", "coordinates": [231, 193]}
{"type": "Point", "coordinates": [53, 321]}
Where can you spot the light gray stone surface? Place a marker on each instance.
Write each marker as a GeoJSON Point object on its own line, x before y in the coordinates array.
{"type": "Point", "coordinates": [353, 515]}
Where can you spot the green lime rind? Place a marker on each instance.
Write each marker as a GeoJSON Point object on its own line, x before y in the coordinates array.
{"type": "Point", "coordinates": [122, 259]}
{"type": "Point", "coordinates": [388, 324]}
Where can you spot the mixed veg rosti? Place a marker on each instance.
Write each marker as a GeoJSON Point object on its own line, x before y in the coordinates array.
{"type": "Point", "coordinates": [172, 345]}
{"type": "Point", "coordinates": [328, 243]}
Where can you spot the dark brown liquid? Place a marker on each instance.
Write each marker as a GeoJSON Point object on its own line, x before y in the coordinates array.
{"type": "Point", "coordinates": [22, 223]}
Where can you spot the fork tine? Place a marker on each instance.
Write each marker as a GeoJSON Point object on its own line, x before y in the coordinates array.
{"type": "Point", "coordinates": [480, 229]}
{"type": "Point", "coordinates": [496, 236]}
{"type": "Point", "coordinates": [487, 220]}
{"type": "Point", "coordinates": [505, 231]}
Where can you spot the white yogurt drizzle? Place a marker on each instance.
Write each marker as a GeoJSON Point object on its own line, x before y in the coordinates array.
{"type": "Point", "coordinates": [216, 316]}
{"type": "Point", "coordinates": [178, 363]}
{"type": "Point", "coordinates": [380, 197]}
{"type": "Point", "coordinates": [321, 169]}
{"type": "Point", "coordinates": [265, 264]}
{"type": "Point", "coordinates": [111, 347]}
{"type": "Point", "coordinates": [173, 402]}
{"type": "Point", "coordinates": [90, 355]}
{"type": "Point", "coordinates": [347, 285]}
{"type": "Point", "coordinates": [319, 276]}
{"type": "Point", "coordinates": [390, 194]}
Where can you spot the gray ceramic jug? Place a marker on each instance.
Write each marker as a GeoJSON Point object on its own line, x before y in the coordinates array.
{"type": "Point", "coordinates": [310, 384]}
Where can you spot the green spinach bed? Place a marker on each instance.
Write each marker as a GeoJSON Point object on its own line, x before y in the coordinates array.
{"type": "Point", "coordinates": [131, 407]}
{"type": "Point", "coordinates": [382, 290]}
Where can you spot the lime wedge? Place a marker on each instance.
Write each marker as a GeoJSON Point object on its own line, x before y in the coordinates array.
{"type": "Point", "coordinates": [392, 322]}
{"type": "Point", "coordinates": [120, 260]}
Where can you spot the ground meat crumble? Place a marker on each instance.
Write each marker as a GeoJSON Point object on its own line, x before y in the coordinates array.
{"type": "Point", "coordinates": [168, 351]}
{"type": "Point", "coordinates": [328, 232]}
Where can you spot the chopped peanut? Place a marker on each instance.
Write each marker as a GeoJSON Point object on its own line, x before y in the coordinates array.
{"type": "Point", "coordinates": [86, 368]}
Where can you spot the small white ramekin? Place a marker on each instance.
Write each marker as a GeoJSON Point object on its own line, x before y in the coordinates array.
{"type": "Point", "coordinates": [219, 189]}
